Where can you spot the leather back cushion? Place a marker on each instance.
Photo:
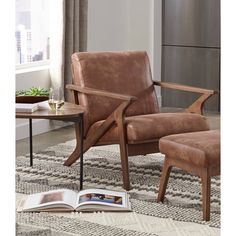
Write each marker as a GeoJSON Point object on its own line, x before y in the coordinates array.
{"type": "Point", "coordinates": [120, 72]}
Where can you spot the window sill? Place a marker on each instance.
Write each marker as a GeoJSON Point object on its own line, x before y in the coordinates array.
{"type": "Point", "coordinates": [21, 69]}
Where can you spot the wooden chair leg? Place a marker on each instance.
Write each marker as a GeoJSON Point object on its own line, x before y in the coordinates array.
{"type": "Point", "coordinates": [164, 180]}
{"type": "Point", "coordinates": [123, 153]}
{"type": "Point", "coordinates": [75, 155]}
{"type": "Point", "coordinates": [125, 165]}
{"type": "Point", "coordinates": [206, 194]}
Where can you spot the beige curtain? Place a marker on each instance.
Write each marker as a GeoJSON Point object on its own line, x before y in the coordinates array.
{"type": "Point", "coordinates": [75, 35]}
{"type": "Point", "coordinates": [56, 35]}
{"type": "Point", "coordinates": [68, 35]}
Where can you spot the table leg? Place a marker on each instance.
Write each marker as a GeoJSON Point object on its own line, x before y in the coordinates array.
{"type": "Point", "coordinates": [81, 128]}
{"type": "Point", "coordinates": [31, 142]}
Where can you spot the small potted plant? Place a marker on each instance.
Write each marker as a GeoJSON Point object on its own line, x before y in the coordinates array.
{"type": "Point", "coordinates": [32, 95]}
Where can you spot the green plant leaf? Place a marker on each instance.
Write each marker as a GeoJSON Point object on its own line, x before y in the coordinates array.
{"type": "Point", "coordinates": [34, 91]}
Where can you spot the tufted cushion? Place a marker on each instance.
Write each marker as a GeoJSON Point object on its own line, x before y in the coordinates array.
{"type": "Point", "coordinates": [155, 126]}
{"type": "Point", "coordinates": [198, 148]}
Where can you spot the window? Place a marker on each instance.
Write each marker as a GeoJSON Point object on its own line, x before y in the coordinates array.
{"type": "Point", "coordinates": [32, 31]}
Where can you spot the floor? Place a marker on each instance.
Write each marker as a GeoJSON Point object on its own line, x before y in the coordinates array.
{"type": "Point", "coordinates": [64, 134]}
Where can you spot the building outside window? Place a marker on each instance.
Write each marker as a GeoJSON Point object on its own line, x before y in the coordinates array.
{"type": "Point", "coordinates": [32, 31]}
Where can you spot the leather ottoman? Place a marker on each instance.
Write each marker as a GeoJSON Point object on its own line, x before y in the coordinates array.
{"type": "Point", "coordinates": [197, 153]}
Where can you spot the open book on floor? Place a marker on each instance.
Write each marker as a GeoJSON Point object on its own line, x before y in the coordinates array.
{"type": "Point", "coordinates": [68, 200]}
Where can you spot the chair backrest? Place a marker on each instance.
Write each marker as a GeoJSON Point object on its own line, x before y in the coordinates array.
{"type": "Point", "coordinates": [120, 72]}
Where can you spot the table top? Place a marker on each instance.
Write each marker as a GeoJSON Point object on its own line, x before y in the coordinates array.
{"type": "Point", "coordinates": [69, 110]}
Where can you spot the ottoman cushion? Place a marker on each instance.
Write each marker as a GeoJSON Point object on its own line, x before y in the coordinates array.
{"type": "Point", "coordinates": [199, 148]}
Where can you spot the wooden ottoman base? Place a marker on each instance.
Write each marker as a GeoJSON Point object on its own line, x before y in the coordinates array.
{"type": "Point", "coordinates": [197, 153]}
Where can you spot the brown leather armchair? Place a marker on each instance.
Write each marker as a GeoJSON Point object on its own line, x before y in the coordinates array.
{"type": "Point", "coordinates": [117, 91]}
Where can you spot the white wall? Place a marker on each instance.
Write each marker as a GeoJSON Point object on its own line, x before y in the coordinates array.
{"type": "Point", "coordinates": [157, 43]}
{"type": "Point", "coordinates": [26, 79]}
{"type": "Point", "coordinates": [120, 25]}
{"type": "Point", "coordinates": [106, 25]}
{"type": "Point", "coordinates": [139, 17]}
{"type": "Point", "coordinates": [127, 25]}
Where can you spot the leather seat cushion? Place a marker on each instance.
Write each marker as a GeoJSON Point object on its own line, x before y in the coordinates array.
{"type": "Point", "coordinates": [154, 126]}
{"type": "Point", "coordinates": [199, 148]}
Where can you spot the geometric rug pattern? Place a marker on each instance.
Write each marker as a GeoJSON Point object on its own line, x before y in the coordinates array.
{"type": "Point", "coordinates": [102, 169]}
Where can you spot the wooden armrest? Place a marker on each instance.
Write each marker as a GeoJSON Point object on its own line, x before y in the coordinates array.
{"type": "Point", "coordinates": [184, 87]}
{"type": "Point", "coordinates": [117, 116]}
{"type": "Point", "coordinates": [104, 93]}
{"type": "Point", "coordinates": [196, 106]}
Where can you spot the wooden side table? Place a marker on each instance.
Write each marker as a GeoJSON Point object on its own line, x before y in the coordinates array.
{"type": "Point", "coordinates": [69, 112]}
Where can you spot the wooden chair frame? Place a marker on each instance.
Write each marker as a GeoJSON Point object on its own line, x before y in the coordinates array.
{"type": "Point", "coordinates": [204, 173]}
{"type": "Point", "coordinates": [118, 116]}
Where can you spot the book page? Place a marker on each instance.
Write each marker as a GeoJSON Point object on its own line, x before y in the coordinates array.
{"type": "Point", "coordinates": [102, 197]}
{"type": "Point", "coordinates": [43, 105]}
{"type": "Point", "coordinates": [54, 198]}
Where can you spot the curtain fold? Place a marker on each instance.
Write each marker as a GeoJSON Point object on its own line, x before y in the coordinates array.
{"type": "Point", "coordinates": [75, 35]}
{"type": "Point", "coordinates": [69, 36]}
{"type": "Point", "coordinates": [56, 35]}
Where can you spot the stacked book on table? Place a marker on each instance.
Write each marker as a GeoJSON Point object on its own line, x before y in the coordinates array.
{"type": "Point", "coordinates": [26, 107]}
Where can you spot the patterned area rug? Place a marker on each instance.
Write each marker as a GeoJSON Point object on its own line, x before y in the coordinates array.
{"type": "Point", "coordinates": [102, 170]}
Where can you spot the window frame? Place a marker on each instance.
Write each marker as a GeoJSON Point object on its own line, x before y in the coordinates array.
{"type": "Point", "coordinates": [33, 65]}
